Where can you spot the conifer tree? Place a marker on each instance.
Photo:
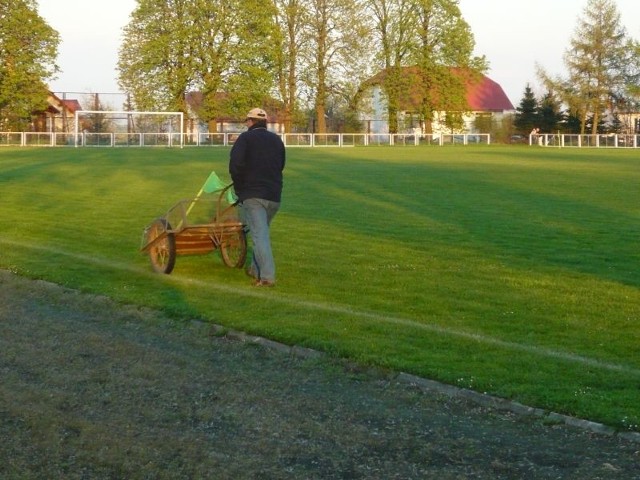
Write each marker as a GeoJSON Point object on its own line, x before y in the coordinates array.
{"type": "Point", "coordinates": [526, 117]}
{"type": "Point", "coordinates": [571, 123]}
{"type": "Point", "coordinates": [597, 62]}
{"type": "Point", "coordinates": [549, 114]}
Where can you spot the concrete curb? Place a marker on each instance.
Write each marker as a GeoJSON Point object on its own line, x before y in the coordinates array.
{"type": "Point", "coordinates": [444, 389]}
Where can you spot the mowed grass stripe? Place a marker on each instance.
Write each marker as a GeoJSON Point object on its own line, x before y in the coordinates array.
{"type": "Point", "coordinates": [274, 296]}
{"type": "Point", "coordinates": [526, 246]}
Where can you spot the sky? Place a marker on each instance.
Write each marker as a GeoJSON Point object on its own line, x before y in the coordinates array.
{"type": "Point", "coordinates": [514, 35]}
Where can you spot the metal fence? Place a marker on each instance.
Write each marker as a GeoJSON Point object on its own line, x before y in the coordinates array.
{"type": "Point", "coordinates": [46, 139]}
{"type": "Point", "coordinates": [610, 140]}
{"type": "Point", "coordinates": [32, 139]}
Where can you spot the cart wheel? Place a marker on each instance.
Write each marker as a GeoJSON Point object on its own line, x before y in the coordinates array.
{"type": "Point", "coordinates": [163, 253]}
{"type": "Point", "coordinates": [234, 249]}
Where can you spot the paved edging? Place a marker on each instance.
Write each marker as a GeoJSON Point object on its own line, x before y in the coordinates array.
{"type": "Point", "coordinates": [419, 382]}
{"type": "Point", "coordinates": [514, 407]}
{"type": "Point", "coordinates": [442, 388]}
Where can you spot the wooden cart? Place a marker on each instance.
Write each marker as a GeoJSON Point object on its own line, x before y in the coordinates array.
{"type": "Point", "coordinates": [194, 227]}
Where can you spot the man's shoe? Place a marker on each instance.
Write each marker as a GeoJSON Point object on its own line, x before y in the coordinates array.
{"type": "Point", "coordinates": [264, 283]}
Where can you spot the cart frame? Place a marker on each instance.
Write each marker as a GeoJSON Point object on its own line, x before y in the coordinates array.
{"type": "Point", "coordinates": [176, 234]}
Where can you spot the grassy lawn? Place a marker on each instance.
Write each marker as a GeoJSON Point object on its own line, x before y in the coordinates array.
{"type": "Point", "coordinates": [511, 271]}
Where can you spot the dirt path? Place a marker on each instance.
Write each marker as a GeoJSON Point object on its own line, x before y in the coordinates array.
{"type": "Point", "coordinates": [91, 389]}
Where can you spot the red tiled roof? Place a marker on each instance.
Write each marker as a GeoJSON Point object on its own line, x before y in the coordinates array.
{"type": "Point", "coordinates": [72, 105]}
{"type": "Point", "coordinates": [487, 95]}
{"type": "Point", "coordinates": [56, 104]}
{"type": "Point", "coordinates": [483, 94]}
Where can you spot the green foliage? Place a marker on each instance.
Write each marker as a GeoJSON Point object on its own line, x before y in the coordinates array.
{"type": "Point", "coordinates": [599, 64]}
{"type": "Point", "coordinates": [290, 18]}
{"type": "Point", "coordinates": [392, 25]}
{"type": "Point", "coordinates": [549, 114]}
{"type": "Point", "coordinates": [526, 117]}
{"type": "Point", "coordinates": [28, 49]}
{"type": "Point", "coordinates": [156, 61]}
{"type": "Point", "coordinates": [483, 123]}
{"type": "Point", "coordinates": [433, 38]}
{"type": "Point", "coordinates": [443, 51]}
{"type": "Point", "coordinates": [501, 131]}
{"type": "Point", "coordinates": [312, 55]}
{"type": "Point", "coordinates": [338, 40]}
{"type": "Point", "coordinates": [631, 96]}
{"type": "Point", "coordinates": [450, 263]}
{"type": "Point", "coordinates": [572, 123]}
{"type": "Point", "coordinates": [173, 47]}
{"type": "Point", "coordinates": [545, 114]}
{"type": "Point", "coordinates": [454, 121]}
{"type": "Point", "coordinates": [597, 50]}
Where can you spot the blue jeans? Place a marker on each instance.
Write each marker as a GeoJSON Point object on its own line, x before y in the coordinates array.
{"type": "Point", "coordinates": [257, 215]}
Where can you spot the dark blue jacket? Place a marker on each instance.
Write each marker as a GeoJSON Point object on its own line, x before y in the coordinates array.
{"type": "Point", "coordinates": [256, 163]}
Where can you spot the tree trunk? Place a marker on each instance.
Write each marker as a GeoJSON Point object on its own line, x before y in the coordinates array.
{"type": "Point", "coordinates": [393, 120]}
{"type": "Point", "coordinates": [321, 97]}
{"type": "Point", "coordinates": [290, 106]}
{"type": "Point", "coordinates": [287, 118]}
{"type": "Point", "coordinates": [596, 119]}
{"type": "Point", "coordinates": [392, 88]}
{"type": "Point", "coordinates": [321, 122]}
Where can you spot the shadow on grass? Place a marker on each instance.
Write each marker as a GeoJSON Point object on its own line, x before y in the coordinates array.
{"type": "Point", "coordinates": [529, 220]}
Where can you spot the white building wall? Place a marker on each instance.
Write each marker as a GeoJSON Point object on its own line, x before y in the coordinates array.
{"type": "Point", "coordinates": [374, 115]}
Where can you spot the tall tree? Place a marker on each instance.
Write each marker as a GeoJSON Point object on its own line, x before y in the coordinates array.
{"type": "Point", "coordinates": [526, 117]}
{"type": "Point", "coordinates": [252, 49]}
{"type": "Point", "coordinates": [443, 51]}
{"type": "Point", "coordinates": [155, 62]}
{"type": "Point", "coordinates": [222, 46]}
{"type": "Point", "coordinates": [394, 25]}
{"type": "Point", "coordinates": [570, 122]}
{"type": "Point", "coordinates": [633, 72]}
{"type": "Point", "coordinates": [291, 18]}
{"type": "Point", "coordinates": [596, 62]}
{"type": "Point", "coordinates": [626, 102]}
{"type": "Point", "coordinates": [28, 51]}
{"type": "Point", "coordinates": [549, 113]}
{"type": "Point", "coordinates": [338, 37]}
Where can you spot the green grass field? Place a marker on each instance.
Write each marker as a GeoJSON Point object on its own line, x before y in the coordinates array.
{"type": "Point", "coordinates": [511, 271]}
